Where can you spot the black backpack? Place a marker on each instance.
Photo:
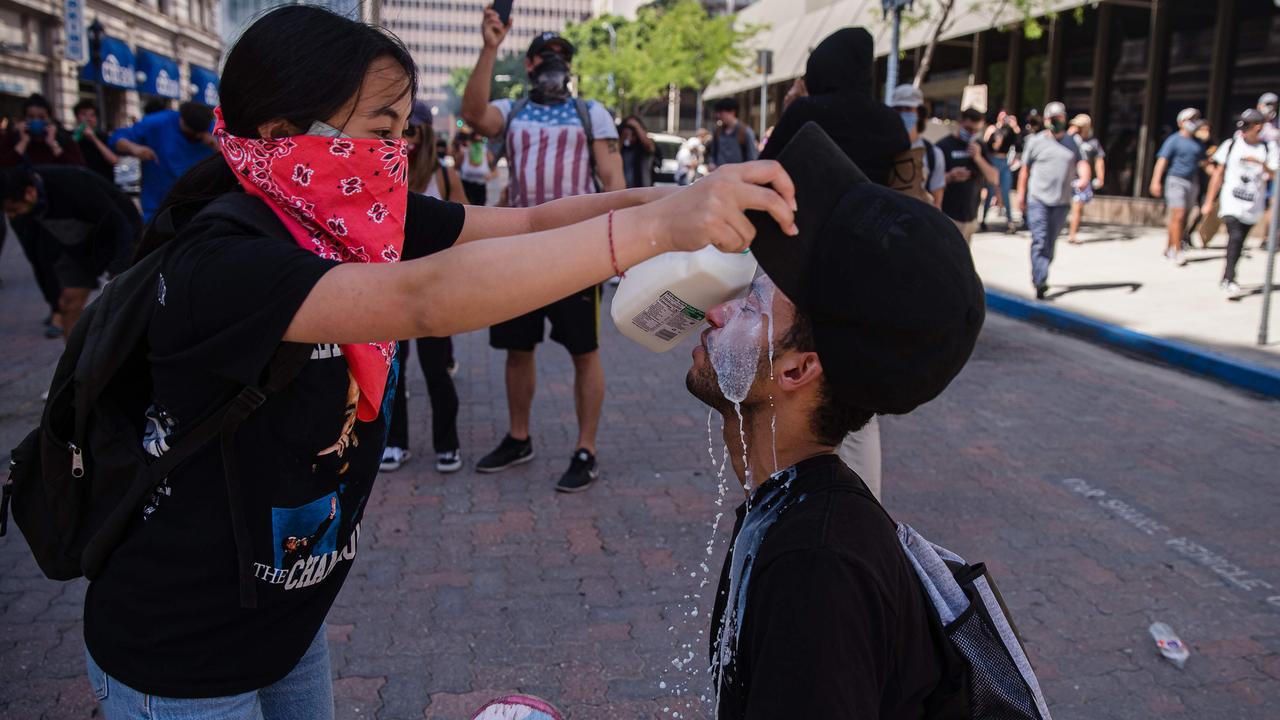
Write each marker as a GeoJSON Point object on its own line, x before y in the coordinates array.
{"type": "Point", "coordinates": [79, 480]}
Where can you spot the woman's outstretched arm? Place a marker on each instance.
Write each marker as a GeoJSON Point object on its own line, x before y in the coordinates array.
{"type": "Point", "coordinates": [480, 283]}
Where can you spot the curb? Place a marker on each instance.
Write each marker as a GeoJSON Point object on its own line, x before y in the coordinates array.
{"type": "Point", "coordinates": [1246, 375]}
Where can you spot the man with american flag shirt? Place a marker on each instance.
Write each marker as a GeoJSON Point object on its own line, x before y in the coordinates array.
{"type": "Point", "coordinates": [550, 155]}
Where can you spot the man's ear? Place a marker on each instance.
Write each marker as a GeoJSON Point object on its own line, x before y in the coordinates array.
{"type": "Point", "coordinates": [795, 371]}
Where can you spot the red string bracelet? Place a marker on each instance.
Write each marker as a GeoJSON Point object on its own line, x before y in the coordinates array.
{"type": "Point", "coordinates": [613, 255]}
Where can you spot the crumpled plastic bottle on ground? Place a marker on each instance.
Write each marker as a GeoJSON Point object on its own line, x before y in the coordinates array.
{"type": "Point", "coordinates": [1170, 645]}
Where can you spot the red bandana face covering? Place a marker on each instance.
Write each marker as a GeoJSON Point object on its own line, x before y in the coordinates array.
{"type": "Point", "coordinates": [343, 199]}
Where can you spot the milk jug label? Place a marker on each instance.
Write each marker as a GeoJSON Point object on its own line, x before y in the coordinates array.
{"type": "Point", "coordinates": [668, 317]}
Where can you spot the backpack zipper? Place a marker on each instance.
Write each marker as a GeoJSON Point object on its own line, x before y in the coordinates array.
{"type": "Point", "coordinates": [77, 460]}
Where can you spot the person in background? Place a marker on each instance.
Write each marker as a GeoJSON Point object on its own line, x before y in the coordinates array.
{"type": "Point", "coordinates": [1053, 168]}
{"type": "Point", "coordinates": [637, 150]}
{"type": "Point", "coordinates": [1180, 156]}
{"type": "Point", "coordinates": [795, 92]}
{"type": "Point", "coordinates": [733, 141]}
{"type": "Point", "coordinates": [427, 176]}
{"type": "Point", "coordinates": [168, 142]}
{"type": "Point", "coordinates": [93, 141]}
{"type": "Point", "coordinates": [1243, 166]}
{"type": "Point", "coordinates": [689, 158]}
{"type": "Point", "coordinates": [968, 168]}
{"type": "Point", "coordinates": [1091, 149]}
{"type": "Point", "coordinates": [1267, 108]}
{"type": "Point", "coordinates": [155, 105]}
{"type": "Point", "coordinates": [73, 226]}
{"type": "Point", "coordinates": [546, 141]}
{"type": "Point", "coordinates": [475, 164]}
{"type": "Point", "coordinates": [908, 102]}
{"type": "Point", "coordinates": [1002, 140]}
{"type": "Point", "coordinates": [37, 139]}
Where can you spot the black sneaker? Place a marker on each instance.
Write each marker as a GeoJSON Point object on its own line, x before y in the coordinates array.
{"type": "Point", "coordinates": [1041, 291]}
{"type": "Point", "coordinates": [509, 452]}
{"type": "Point", "coordinates": [581, 473]}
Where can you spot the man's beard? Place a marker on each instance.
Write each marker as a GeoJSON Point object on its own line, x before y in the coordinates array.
{"type": "Point", "coordinates": [702, 383]}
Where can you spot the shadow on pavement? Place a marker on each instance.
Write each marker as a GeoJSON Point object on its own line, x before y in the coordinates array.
{"type": "Point", "coordinates": [1133, 287]}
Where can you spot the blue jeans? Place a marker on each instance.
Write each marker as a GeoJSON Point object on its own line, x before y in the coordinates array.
{"type": "Point", "coordinates": [1046, 222]}
{"type": "Point", "coordinates": [306, 693]}
{"type": "Point", "coordinates": [1006, 184]}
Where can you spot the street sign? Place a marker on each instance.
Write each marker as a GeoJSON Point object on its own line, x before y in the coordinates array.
{"type": "Point", "coordinates": [764, 62]}
{"type": "Point", "coordinates": [77, 49]}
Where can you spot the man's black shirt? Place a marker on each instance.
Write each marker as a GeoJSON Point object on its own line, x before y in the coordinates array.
{"type": "Point", "coordinates": [818, 613]}
{"type": "Point", "coordinates": [960, 200]}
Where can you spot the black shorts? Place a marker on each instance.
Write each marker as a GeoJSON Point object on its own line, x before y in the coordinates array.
{"type": "Point", "coordinates": [73, 270]}
{"type": "Point", "coordinates": [575, 324]}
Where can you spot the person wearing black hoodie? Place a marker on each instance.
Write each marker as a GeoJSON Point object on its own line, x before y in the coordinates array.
{"type": "Point", "coordinates": [839, 80]}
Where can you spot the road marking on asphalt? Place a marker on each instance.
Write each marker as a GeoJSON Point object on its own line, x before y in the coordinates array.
{"type": "Point", "coordinates": [1230, 572]}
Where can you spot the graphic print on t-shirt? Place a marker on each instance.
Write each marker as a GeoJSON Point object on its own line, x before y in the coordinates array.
{"type": "Point", "coordinates": [305, 532]}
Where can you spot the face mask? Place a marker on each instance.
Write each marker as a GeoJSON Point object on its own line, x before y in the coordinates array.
{"type": "Point", "coordinates": [1191, 126]}
{"type": "Point", "coordinates": [965, 136]}
{"type": "Point", "coordinates": [1058, 126]}
{"type": "Point", "coordinates": [343, 199]}
{"type": "Point", "coordinates": [36, 127]}
{"type": "Point", "coordinates": [325, 130]}
{"type": "Point", "coordinates": [550, 80]}
{"type": "Point", "coordinates": [909, 120]}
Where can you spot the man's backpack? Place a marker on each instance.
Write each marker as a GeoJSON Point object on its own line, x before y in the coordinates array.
{"type": "Point", "coordinates": [499, 144]}
{"type": "Point", "coordinates": [986, 674]}
{"type": "Point", "coordinates": [79, 480]}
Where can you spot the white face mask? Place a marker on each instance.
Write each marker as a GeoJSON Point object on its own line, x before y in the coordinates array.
{"type": "Point", "coordinates": [320, 129]}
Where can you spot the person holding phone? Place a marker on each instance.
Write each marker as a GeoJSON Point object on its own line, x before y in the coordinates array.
{"type": "Point", "coordinates": [37, 139]}
{"type": "Point", "coordinates": [301, 230]}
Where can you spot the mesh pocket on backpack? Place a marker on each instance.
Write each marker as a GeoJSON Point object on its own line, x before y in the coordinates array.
{"type": "Point", "coordinates": [997, 689]}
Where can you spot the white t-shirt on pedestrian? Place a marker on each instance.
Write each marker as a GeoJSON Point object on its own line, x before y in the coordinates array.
{"type": "Point", "coordinates": [936, 164]}
{"type": "Point", "coordinates": [1244, 183]}
{"type": "Point", "coordinates": [547, 150]}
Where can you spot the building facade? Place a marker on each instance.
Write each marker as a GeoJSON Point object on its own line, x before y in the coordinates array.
{"type": "Point", "coordinates": [163, 50]}
{"type": "Point", "coordinates": [1130, 64]}
{"type": "Point", "coordinates": [444, 35]}
{"type": "Point", "coordinates": [236, 14]}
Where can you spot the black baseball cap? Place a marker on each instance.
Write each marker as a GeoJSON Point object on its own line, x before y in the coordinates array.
{"type": "Point", "coordinates": [887, 280]}
{"type": "Point", "coordinates": [540, 43]}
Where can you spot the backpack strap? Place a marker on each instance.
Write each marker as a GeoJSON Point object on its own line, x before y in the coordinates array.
{"type": "Point", "coordinates": [500, 143]}
{"type": "Point", "coordinates": [928, 160]}
{"type": "Point", "coordinates": [742, 139]}
{"type": "Point", "coordinates": [584, 117]}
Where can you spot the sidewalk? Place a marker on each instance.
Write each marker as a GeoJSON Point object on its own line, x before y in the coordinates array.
{"type": "Point", "coordinates": [1118, 276]}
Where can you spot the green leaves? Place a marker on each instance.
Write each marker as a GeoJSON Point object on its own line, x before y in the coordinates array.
{"type": "Point", "coordinates": [668, 42]}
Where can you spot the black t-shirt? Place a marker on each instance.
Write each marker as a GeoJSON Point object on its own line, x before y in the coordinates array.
{"type": "Point", "coordinates": [164, 617]}
{"type": "Point", "coordinates": [819, 614]}
{"type": "Point", "coordinates": [93, 157]}
{"type": "Point", "coordinates": [960, 199]}
{"type": "Point", "coordinates": [84, 216]}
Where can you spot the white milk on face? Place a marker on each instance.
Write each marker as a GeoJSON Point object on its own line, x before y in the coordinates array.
{"type": "Point", "coordinates": [665, 298]}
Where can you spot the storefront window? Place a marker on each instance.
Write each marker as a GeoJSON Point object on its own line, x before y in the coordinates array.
{"type": "Point", "coordinates": [1257, 56]}
{"type": "Point", "coordinates": [1124, 103]}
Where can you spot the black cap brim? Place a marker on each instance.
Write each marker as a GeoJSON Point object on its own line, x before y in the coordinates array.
{"type": "Point", "coordinates": [822, 175]}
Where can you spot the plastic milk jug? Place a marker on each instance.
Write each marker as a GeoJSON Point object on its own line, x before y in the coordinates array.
{"type": "Point", "coordinates": [664, 298]}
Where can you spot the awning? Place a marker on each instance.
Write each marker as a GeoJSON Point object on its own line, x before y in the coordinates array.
{"type": "Point", "coordinates": [117, 65]}
{"type": "Point", "coordinates": [204, 85]}
{"type": "Point", "coordinates": [158, 75]}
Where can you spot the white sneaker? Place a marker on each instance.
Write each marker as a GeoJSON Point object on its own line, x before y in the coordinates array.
{"type": "Point", "coordinates": [453, 367]}
{"type": "Point", "coordinates": [447, 462]}
{"type": "Point", "coordinates": [393, 458]}
{"type": "Point", "coordinates": [1230, 287]}
{"type": "Point", "coordinates": [1180, 258]}
{"type": "Point", "coordinates": [1168, 254]}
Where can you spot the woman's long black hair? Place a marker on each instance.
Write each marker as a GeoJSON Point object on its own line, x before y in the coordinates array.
{"type": "Point", "coordinates": [298, 63]}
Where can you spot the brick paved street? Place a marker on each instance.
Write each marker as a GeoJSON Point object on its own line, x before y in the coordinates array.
{"type": "Point", "coordinates": [1103, 492]}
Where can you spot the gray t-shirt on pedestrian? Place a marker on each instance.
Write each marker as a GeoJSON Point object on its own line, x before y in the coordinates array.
{"type": "Point", "coordinates": [731, 147]}
{"type": "Point", "coordinates": [1051, 167]}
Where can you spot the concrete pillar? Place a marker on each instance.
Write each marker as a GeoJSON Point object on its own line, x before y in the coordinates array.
{"type": "Point", "coordinates": [1101, 87]}
{"type": "Point", "coordinates": [1153, 93]}
{"type": "Point", "coordinates": [978, 62]}
{"type": "Point", "coordinates": [1224, 39]}
{"type": "Point", "coordinates": [1054, 71]}
{"type": "Point", "coordinates": [1013, 74]}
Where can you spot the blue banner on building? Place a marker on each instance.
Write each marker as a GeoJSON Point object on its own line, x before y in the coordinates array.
{"type": "Point", "coordinates": [158, 75]}
{"type": "Point", "coordinates": [204, 85]}
{"type": "Point", "coordinates": [117, 65]}
{"type": "Point", "coordinates": [77, 48]}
